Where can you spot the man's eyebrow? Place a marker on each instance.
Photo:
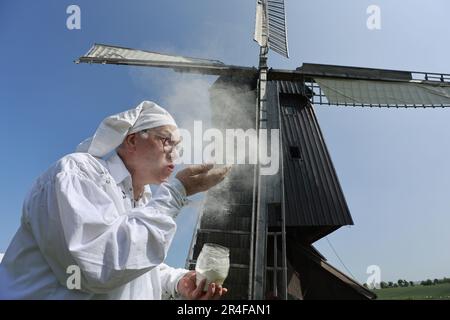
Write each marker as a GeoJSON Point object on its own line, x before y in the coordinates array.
{"type": "Point", "coordinates": [163, 131]}
{"type": "Point", "coordinates": [170, 134]}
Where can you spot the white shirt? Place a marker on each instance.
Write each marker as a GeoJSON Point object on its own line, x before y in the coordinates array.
{"type": "Point", "coordinates": [80, 213]}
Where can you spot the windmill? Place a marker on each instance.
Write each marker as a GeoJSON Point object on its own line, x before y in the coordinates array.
{"type": "Point", "coordinates": [270, 222]}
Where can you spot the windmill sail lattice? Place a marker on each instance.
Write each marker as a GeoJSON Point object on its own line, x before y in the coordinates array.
{"type": "Point", "coordinates": [270, 26]}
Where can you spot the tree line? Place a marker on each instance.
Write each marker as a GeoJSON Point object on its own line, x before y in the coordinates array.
{"type": "Point", "coordinates": [404, 283]}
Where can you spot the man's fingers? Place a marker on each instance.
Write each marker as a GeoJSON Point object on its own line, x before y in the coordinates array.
{"type": "Point", "coordinates": [210, 293]}
{"type": "Point", "coordinates": [199, 168]}
{"type": "Point", "coordinates": [191, 275]}
{"type": "Point", "coordinates": [218, 293]}
{"type": "Point", "coordinates": [200, 178]}
{"type": "Point", "coordinates": [215, 176]}
{"type": "Point", "coordinates": [218, 172]}
{"type": "Point", "coordinates": [206, 168]}
{"type": "Point", "coordinates": [199, 290]}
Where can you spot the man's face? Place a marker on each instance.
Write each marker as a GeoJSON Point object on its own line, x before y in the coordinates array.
{"type": "Point", "coordinates": [154, 153]}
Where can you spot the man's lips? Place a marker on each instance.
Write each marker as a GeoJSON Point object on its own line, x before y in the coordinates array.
{"type": "Point", "coordinates": [171, 167]}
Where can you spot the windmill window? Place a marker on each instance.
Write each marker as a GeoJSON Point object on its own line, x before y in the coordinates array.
{"type": "Point", "coordinates": [289, 110]}
{"type": "Point", "coordinates": [295, 152]}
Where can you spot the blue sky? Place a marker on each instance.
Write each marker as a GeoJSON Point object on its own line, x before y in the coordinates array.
{"type": "Point", "coordinates": [393, 165]}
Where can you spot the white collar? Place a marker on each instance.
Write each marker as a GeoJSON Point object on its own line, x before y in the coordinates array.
{"type": "Point", "coordinates": [119, 172]}
{"type": "Point", "coordinates": [117, 168]}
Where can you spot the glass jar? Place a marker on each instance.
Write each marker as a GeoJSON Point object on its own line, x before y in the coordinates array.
{"type": "Point", "coordinates": [213, 263]}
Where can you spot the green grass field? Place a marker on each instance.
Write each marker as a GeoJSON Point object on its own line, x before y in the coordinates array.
{"type": "Point", "coordinates": [436, 292]}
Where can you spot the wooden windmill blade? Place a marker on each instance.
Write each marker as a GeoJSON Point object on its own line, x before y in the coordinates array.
{"type": "Point", "coordinates": [271, 27]}
{"type": "Point", "coordinates": [107, 54]}
{"type": "Point", "coordinates": [353, 86]}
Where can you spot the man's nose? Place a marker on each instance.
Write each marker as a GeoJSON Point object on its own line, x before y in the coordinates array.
{"type": "Point", "coordinates": [173, 155]}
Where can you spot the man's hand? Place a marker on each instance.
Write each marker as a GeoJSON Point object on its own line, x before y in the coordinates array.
{"type": "Point", "coordinates": [188, 290]}
{"type": "Point", "coordinates": [201, 177]}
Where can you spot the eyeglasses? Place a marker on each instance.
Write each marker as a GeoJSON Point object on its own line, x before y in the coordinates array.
{"type": "Point", "coordinates": [170, 146]}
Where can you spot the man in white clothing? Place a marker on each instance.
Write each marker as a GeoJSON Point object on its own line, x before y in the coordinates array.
{"type": "Point", "coordinates": [92, 215]}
